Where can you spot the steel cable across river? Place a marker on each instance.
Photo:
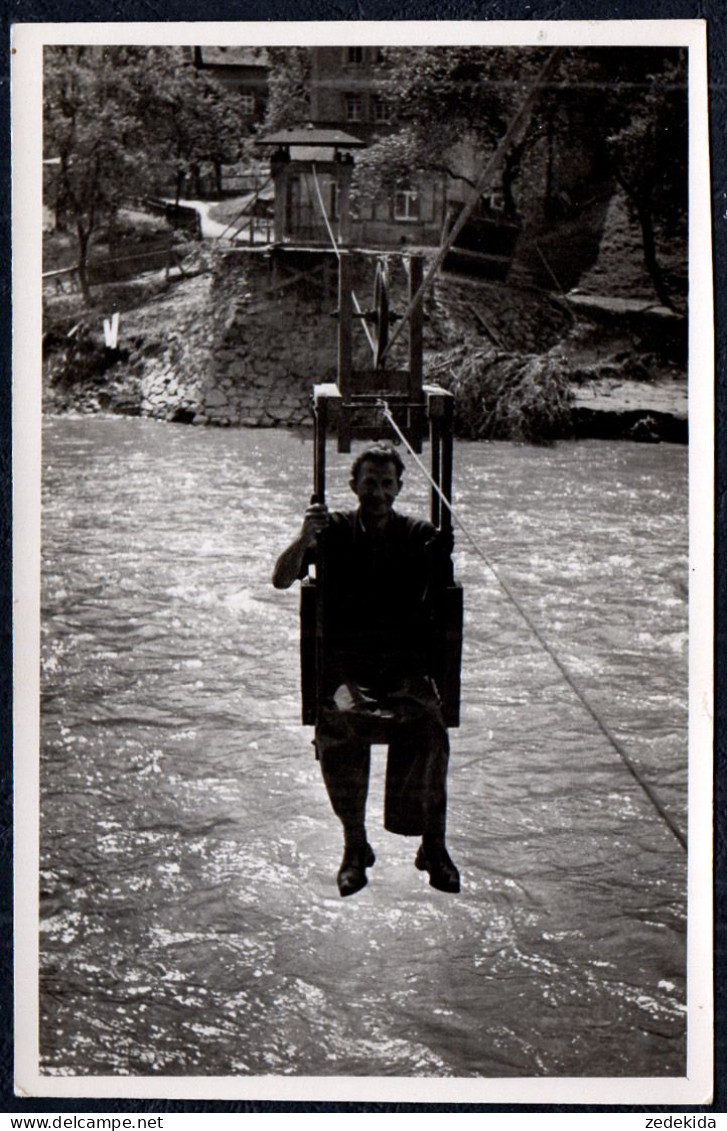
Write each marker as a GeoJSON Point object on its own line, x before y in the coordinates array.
{"type": "Point", "coordinates": [190, 921]}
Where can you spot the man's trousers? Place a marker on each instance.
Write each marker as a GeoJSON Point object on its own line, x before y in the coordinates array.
{"type": "Point", "coordinates": [406, 713]}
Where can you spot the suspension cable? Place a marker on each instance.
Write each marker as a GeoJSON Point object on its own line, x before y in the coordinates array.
{"type": "Point", "coordinates": [605, 730]}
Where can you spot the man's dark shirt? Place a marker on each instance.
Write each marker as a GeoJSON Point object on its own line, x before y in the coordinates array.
{"type": "Point", "coordinates": [379, 594]}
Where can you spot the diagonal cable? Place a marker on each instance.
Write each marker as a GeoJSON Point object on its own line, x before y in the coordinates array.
{"type": "Point", "coordinates": [482, 181]}
{"type": "Point", "coordinates": [633, 769]}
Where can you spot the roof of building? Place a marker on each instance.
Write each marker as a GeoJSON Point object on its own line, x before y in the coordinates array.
{"type": "Point", "coordinates": [312, 136]}
{"type": "Point", "coordinates": [235, 56]}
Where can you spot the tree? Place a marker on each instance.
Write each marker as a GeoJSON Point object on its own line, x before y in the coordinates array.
{"type": "Point", "coordinates": [446, 104]}
{"type": "Point", "coordinates": [288, 87]}
{"type": "Point", "coordinates": [618, 113]}
{"type": "Point", "coordinates": [189, 118]}
{"type": "Point", "coordinates": [647, 150]}
{"type": "Point", "coordinates": [91, 126]}
{"type": "Point", "coordinates": [114, 115]}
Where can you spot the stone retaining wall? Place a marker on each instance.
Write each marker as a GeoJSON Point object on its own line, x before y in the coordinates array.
{"type": "Point", "coordinates": [248, 340]}
{"type": "Point", "coordinates": [275, 335]}
{"type": "Point", "coordinates": [264, 336]}
{"type": "Point", "coordinates": [267, 332]}
{"type": "Point", "coordinates": [171, 384]}
{"type": "Point", "coordinates": [268, 348]}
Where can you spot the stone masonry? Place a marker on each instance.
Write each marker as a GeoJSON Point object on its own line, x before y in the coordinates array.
{"type": "Point", "coordinates": [265, 332]}
{"type": "Point", "coordinates": [271, 334]}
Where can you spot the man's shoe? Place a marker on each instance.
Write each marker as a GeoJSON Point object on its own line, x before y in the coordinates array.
{"type": "Point", "coordinates": [443, 874]}
{"type": "Point", "coordinates": [352, 873]}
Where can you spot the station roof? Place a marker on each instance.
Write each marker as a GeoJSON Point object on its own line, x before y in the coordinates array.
{"type": "Point", "coordinates": [312, 136]}
{"type": "Point", "coordinates": [235, 56]}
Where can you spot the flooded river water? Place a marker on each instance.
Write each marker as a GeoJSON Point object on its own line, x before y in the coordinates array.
{"type": "Point", "coordinates": [190, 919]}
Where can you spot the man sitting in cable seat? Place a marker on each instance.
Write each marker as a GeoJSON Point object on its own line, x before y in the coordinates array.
{"type": "Point", "coordinates": [382, 572]}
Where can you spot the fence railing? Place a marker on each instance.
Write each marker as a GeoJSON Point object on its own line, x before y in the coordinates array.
{"type": "Point", "coordinates": [113, 270]}
{"type": "Point", "coordinates": [177, 215]}
{"type": "Point", "coordinates": [63, 281]}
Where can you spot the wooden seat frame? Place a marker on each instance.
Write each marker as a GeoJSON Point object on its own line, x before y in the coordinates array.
{"type": "Point", "coordinates": [352, 408]}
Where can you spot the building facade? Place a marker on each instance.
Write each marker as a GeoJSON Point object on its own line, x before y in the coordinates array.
{"type": "Point", "coordinates": [242, 69]}
{"type": "Point", "coordinates": [342, 90]}
{"type": "Point", "coordinates": [344, 95]}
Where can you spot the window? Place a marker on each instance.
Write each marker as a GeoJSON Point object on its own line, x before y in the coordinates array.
{"type": "Point", "coordinates": [247, 102]}
{"type": "Point", "coordinates": [355, 54]}
{"type": "Point", "coordinates": [354, 108]}
{"type": "Point", "coordinates": [406, 205]}
{"type": "Point", "coordinates": [381, 111]}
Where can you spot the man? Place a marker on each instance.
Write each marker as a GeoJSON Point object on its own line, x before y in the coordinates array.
{"type": "Point", "coordinates": [382, 573]}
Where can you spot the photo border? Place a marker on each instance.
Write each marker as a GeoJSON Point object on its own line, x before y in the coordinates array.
{"type": "Point", "coordinates": [28, 40]}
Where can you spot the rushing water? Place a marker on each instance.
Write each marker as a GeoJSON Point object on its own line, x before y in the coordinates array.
{"type": "Point", "coordinates": [190, 919]}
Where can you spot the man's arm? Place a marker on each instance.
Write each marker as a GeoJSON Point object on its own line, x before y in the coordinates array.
{"type": "Point", "coordinates": [289, 564]}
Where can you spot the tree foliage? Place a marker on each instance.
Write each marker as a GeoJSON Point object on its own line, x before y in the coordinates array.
{"type": "Point", "coordinates": [118, 120]}
{"type": "Point", "coordinates": [441, 97]}
{"type": "Point", "coordinates": [92, 129]}
{"type": "Point", "coordinates": [619, 112]}
{"type": "Point", "coordinates": [288, 87]}
{"type": "Point", "coordinates": [460, 91]}
{"type": "Point", "coordinates": [189, 118]}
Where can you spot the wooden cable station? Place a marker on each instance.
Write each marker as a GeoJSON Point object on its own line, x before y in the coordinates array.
{"type": "Point", "coordinates": [383, 402]}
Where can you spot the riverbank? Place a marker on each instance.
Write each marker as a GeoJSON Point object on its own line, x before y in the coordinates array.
{"type": "Point", "coordinates": [524, 365]}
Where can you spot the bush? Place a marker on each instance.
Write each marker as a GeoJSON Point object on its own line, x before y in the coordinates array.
{"type": "Point", "coordinates": [501, 396]}
{"type": "Point", "coordinates": [82, 360]}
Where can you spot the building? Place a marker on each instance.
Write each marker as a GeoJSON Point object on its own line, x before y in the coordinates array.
{"type": "Point", "coordinates": [344, 100]}
{"type": "Point", "coordinates": [311, 169]}
{"type": "Point", "coordinates": [242, 69]}
{"type": "Point", "coordinates": [342, 90]}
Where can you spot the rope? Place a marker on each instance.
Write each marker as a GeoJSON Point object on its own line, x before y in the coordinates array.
{"type": "Point", "coordinates": [605, 730]}
{"type": "Point", "coordinates": [325, 214]}
{"type": "Point", "coordinates": [319, 194]}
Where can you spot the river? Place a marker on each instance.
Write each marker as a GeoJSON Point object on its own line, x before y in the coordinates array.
{"type": "Point", "coordinates": [190, 919]}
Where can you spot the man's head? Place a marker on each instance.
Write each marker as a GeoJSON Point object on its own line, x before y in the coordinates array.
{"type": "Point", "coordinates": [376, 480]}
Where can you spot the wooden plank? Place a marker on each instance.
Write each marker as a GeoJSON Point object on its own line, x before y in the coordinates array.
{"type": "Point", "coordinates": [447, 461]}
{"type": "Point", "coordinates": [308, 652]}
{"type": "Point", "coordinates": [281, 286]}
{"type": "Point", "coordinates": [436, 469]}
{"type": "Point", "coordinates": [486, 326]}
{"type": "Point", "coordinates": [345, 346]}
{"type": "Point", "coordinates": [416, 328]}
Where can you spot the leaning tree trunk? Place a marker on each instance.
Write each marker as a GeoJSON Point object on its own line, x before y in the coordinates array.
{"type": "Point", "coordinates": [84, 240]}
{"type": "Point", "coordinates": [510, 170]}
{"type": "Point", "coordinates": [179, 186]}
{"type": "Point", "coordinates": [639, 203]}
{"type": "Point", "coordinates": [650, 258]}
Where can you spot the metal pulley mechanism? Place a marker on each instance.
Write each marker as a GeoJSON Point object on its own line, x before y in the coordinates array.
{"type": "Point", "coordinates": [380, 317]}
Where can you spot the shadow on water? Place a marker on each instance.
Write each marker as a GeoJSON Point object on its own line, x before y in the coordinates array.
{"type": "Point", "coordinates": [190, 919]}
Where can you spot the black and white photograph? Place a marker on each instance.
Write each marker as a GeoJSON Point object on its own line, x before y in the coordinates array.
{"type": "Point", "coordinates": [363, 417]}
